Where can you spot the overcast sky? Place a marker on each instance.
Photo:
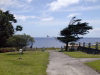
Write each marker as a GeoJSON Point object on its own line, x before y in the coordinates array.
{"type": "Point", "coordinates": [40, 18]}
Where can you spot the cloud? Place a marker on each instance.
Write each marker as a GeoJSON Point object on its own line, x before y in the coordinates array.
{"type": "Point", "coordinates": [73, 14]}
{"type": "Point", "coordinates": [90, 7]}
{"type": "Point", "coordinates": [41, 19]}
{"type": "Point", "coordinates": [29, 1]}
{"type": "Point", "coordinates": [53, 23]}
{"type": "Point", "coordinates": [15, 4]}
{"type": "Point", "coordinates": [47, 19]}
{"type": "Point", "coordinates": [2, 9]}
{"type": "Point", "coordinates": [10, 3]}
{"type": "Point", "coordinates": [23, 18]}
{"type": "Point", "coordinates": [56, 5]}
{"type": "Point", "coordinates": [6, 2]}
{"type": "Point", "coordinates": [90, 0]}
{"type": "Point", "coordinates": [81, 8]}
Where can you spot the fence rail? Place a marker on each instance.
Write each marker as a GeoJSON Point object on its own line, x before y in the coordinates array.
{"type": "Point", "coordinates": [89, 48]}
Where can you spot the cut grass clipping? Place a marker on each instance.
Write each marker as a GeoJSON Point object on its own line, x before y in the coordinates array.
{"type": "Point", "coordinates": [95, 65]}
{"type": "Point", "coordinates": [32, 63]}
{"type": "Point", "coordinates": [81, 55]}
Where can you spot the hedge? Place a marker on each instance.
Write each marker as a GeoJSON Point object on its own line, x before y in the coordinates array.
{"type": "Point", "coordinates": [3, 50]}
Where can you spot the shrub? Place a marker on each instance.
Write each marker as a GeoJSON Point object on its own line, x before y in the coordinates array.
{"type": "Point", "coordinates": [20, 41]}
{"type": "Point", "coordinates": [3, 50]}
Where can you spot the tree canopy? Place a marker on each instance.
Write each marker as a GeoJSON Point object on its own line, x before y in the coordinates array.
{"type": "Point", "coordinates": [6, 26]}
{"type": "Point", "coordinates": [73, 31]}
{"type": "Point", "coordinates": [20, 41]}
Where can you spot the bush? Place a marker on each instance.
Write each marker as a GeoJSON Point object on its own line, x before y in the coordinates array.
{"type": "Point", "coordinates": [20, 41]}
{"type": "Point", "coordinates": [3, 50]}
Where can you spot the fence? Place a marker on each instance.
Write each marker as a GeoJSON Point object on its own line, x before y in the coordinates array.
{"type": "Point", "coordinates": [89, 48]}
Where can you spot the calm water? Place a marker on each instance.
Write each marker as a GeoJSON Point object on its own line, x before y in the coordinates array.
{"type": "Point", "coordinates": [53, 42]}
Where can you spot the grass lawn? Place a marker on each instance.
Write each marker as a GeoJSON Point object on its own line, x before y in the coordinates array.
{"type": "Point", "coordinates": [81, 55]}
{"type": "Point", "coordinates": [95, 65]}
{"type": "Point", "coordinates": [32, 63]}
{"type": "Point", "coordinates": [94, 47]}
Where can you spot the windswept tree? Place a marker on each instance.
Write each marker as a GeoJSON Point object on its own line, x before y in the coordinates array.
{"type": "Point", "coordinates": [6, 26]}
{"type": "Point", "coordinates": [73, 31]}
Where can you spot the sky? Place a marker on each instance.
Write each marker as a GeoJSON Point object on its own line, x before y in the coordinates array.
{"type": "Point", "coordinates": [40, 18]}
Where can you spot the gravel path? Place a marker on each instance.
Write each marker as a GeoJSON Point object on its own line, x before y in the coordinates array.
{"type": "Point", "coordinates": [61, 64]}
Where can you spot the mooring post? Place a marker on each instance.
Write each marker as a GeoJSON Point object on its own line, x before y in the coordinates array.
{"type": "Point", "coordinates": [83, 44]}
{"type": "Point", "coordinates": [79, 44]}
{"type": "Point", "coordinates": [89, 45]}
{"type": "Point", "coordinates": [96, 46]}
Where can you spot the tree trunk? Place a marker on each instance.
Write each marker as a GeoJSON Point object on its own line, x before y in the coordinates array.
{"type": "Point", "coordinates": [66, 48]}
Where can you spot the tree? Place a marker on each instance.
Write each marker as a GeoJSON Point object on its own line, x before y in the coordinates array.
{"type": "Point", "coordinates": [6, 26]}
{"type": "Point", "coordinates": [20, 41]}
{"type": "Point", "coordinates": [19, 28]}
{"type": "Point", "coordinates": [73, 31]}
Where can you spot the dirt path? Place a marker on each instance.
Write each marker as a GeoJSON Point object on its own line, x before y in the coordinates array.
{"type": "Point", "coordinates": [61, 64]}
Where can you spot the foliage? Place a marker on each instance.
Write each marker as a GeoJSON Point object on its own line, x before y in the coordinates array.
{"type": "Point", "coordinates": [73, 31]}
{"type": "Point", "coordinates": [20, 41]}
{"type": "Point", "coordinates": [6, 26]}
{"type": "Point", "coordinates": [32, 63]}
{"type": "Point", "coordinates": [3, 50]}
{"type": "Point", "coordinates": [19, 28]}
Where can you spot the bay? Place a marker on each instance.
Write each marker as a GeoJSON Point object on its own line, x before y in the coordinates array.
{"type": "Point", "coordinates": [53, 42]}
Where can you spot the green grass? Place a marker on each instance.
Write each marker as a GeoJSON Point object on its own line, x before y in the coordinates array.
{"type": "Point", "coordinates": [32, 63]}
{"type": "Point", "coordinates": [94, 47]}
{"type": "Point", "coordinates": [81, 55]}
{"type": "Point", "coordinates": [95, 65]}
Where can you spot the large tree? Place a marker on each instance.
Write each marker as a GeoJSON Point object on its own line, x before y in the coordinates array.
{"type": "Point", "coordinates": [6, 26]}
{"type": "Point", "coordinates": [73, 31]}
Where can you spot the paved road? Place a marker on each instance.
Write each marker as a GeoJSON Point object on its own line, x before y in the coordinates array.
{"type": "Point", "coordinates": [61, 64]}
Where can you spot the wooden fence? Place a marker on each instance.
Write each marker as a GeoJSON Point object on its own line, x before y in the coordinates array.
{"type": "Point", "coordinates": [89, 48]}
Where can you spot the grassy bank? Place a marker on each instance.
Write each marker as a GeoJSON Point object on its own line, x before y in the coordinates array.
{"type": "Point", "coordinates": [32, 63]}
{"type": "Point", "coordinates": [81, 55]}
{"type": "Point", "coordinates": [95, 65]}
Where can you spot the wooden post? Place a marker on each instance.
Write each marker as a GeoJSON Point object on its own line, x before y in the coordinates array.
{"type": "Point", "coordinates": [96, 46]}
{"type": "Point", "coordinates": [79, 44]}
{"type": "Point", "coordinates": [83, 44]}
{"type": "Point", "coordinates": [89, 45]}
